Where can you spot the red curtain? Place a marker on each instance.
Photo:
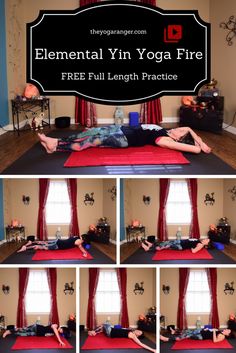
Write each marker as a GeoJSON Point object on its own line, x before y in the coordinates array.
{"type": "Point", "coordinates": [91, 312]}
{"type": "Point", "coordinates": [43, 194]}
{"type": "Point", "coordinates": [149, 2]}
{"type": "Point", "coordinates": [194, 231]}
{"type": "Point", "coordinates": [52, 282]}
{"type": "Point", "coordinates": [87, 2]}
{"type": "Point", "coordinates": [122, 281]}
{"type": "Point", "coordinates": [72, 190]}
{"type": "Point", "coordinates": [150, 112]}
{"type": "Point", "coordinates": [183, 284]}
{"type": "Point", "coordinates": [85, 112]}
{"type": "Point", "coordinates": [162, 227]}
{"type": "Point", "coordinates": [212, 281]}
{"type": "Point", "coordinates": [21, 320]}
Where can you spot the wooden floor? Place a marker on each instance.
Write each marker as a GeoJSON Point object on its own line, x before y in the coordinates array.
{"type": "Point", "coordinates": [230, 250]}
{"type": "Point", "coordinates": [151, 336]}
{"type": "Point", "coordinates": [128, 249]}
{"type": "Point", "coordinates": [107, 249]}
{"type": "Point", "coordinates": [13, 146]}
{"type": "Point", "coordinates": [9, 248]}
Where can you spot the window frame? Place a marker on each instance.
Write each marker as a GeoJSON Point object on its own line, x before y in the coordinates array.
{"type": "Point", "coordinates": [56, 222]}
{"type": "Point", "coordinates": [49, 295]}
{"type": "Point", "coordinates": [199, 291]}
{"type": "Point", "coordinates": [118, 291]}
{"type": "Point", "coordinates": [177, 203]}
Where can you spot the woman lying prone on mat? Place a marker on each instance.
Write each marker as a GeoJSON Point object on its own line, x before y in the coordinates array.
{"type": "Point", "coordinates": [58, 244]}
{"type": "Point", "coordinates": [182, 139]}
{"type": "Point", "coordinates": [40, 330]}
{"type": "Point", "coordinates": [194, 244]}
{"type": "Point", "coordinates": [112, 332]}
{"type": "Point", "coordinates": [198, 334]}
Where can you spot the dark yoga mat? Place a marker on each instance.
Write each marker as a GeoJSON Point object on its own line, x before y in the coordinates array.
{"type": "Point", "coordinates": [37, 162]}
{"type": "Point", "coordinates": [141, 257]}
{"type": "Point", "coordinates": [27, 258]}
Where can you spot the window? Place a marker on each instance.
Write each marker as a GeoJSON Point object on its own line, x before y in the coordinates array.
{"type": "Point", "coordinates": [58, 209]}
{"type": "Point", "coordinates": [108, 293]}
{"type": "Point", "coordinates": [198, 293]}
{"type": "Point", "coordinates": [178, 207]}
{"type": "Point", "coordinates": [37, 294]}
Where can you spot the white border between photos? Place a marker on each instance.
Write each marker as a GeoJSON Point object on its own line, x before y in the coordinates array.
{"type": "Point", "coordinates": [157, 267]}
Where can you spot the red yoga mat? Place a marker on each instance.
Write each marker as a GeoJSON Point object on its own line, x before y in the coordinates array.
{"type": "Point", "coordinates": [204, 344]}
{"type": "Point", "coordinates": [103, 342]}
{"type": "Point", "coordinates": [34, 342]}
{"type": "Point", "coordinates": [181, 255]}
{"type": "Point", "coordinates": [68, 254]}
{"type": "Point", "coordinates": [125, 156]}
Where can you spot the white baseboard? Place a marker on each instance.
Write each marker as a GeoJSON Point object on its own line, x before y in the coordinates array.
{"type": "Point", "coordinates": [126, 120]}
{"type": "Point", "coordinates": [233, 241]}
{"type": "Point", "coordinates": [230, 129]}
{"type": "Point", "coordinates": [123, 242]}
{"type": "Point", "coordinates": [6, 128]}
{"type": "Point", "coordinates": [110, 121]}
{"type": "Point", "coordinates": [113, 241]}
{"type": "Point", "coordinates": [194, 327]}
{"type": "Point", "coordinates": [170, 119]}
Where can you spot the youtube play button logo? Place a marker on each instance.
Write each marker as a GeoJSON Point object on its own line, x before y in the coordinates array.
{"type": "Point", "coordinates": [173, 33]}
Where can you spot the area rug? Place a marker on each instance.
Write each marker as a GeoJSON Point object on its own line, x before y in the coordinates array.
{"type": "Point", "coordinates": [69, 254]}
{"type": "Point", "coordinates": [204, 344]}
{"type": "Point", "coordinates": [34, 342]}
{"type": "Point", "coordinates": [103, 342]}
{"type": "Point", "coordinates": [125, 156]}
{"type": "Point", "coordinates": [181, 255]}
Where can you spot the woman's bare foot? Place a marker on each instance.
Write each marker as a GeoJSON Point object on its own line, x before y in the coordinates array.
{"type": "Point", "coordinates": [28, 243]}
{"type": "Point", "coordinates": [85, 254]}
{"type": "Point", "coordinates": [164, 339]}
{"type": "Point", "coordinates": [158, 248]}
{"type": "Point", "coordinates": [145, 247]}
{"type": "Point", "coordinates": [6, 333]}
{"type": "Point", "coordinates": [49, 143]}
{"type": "Point", "coordinates": [23, 248]}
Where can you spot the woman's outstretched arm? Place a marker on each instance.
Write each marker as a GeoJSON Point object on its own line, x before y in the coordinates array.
{"type": "Point", "coordinates": [204, 147]}
{"type": "Point", "coordinates": [168, 142]}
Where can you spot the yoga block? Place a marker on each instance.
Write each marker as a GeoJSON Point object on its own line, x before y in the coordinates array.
{"type": "Point", "coordinates": [208, 326]}
{"type": "Point", "coordinates": [170, 326]}
{"type": "Point", "coordinates": [31, 238]}
{"type": "Point", "coordinates": [117, 326]}
{"type": "Point", "coordinates": [218, 246]}
{"type": "Point", "coordinates": [151, 238]}
{"type": "Point", "coordinates": [133, 119]}
{"type": "Point", "coordinates": [62, 122]}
